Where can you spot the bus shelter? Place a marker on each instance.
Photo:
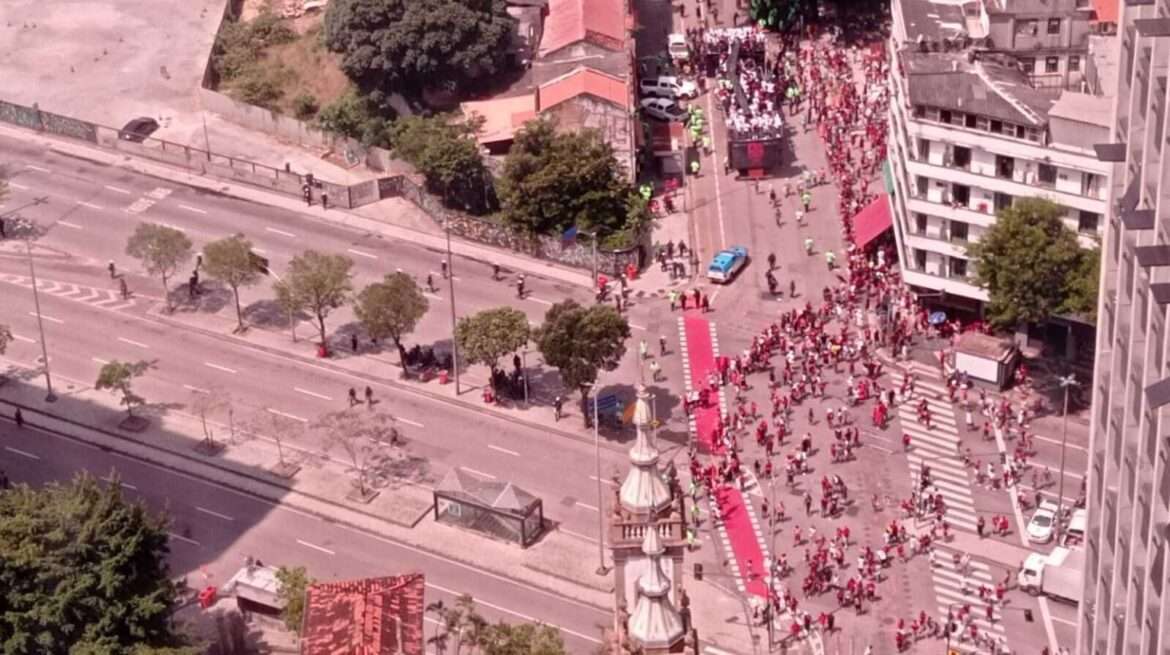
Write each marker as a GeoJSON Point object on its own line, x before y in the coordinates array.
{"type": "Point", "coordinates": [492, 507]}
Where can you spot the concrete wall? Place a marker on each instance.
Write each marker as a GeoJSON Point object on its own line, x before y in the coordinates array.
{"type": "Point", "coordinates": [267, 121]}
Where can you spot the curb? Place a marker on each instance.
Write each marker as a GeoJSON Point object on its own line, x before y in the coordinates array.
{"type": "Point", "coordinates": [291, 493]}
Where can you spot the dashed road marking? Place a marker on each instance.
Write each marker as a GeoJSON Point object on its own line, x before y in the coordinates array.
{"type": "Point", "coordinates": [281, 232]}
{"type": "Point", "coordinates": [133, 342]}
{"type": "Point", "coordinates": [48, 318]}
{"type": "Point", "coordinates": [220, 368]}
{"type": "Point", "coordinates": [479, 473]}
{"type": "Point", "coordinates": [287, 415]}
{"type": "Point", "coordinates": [117, 189]}
{"type": "Point", "coordinates": [193, 209]}
{"type": "Point", "coordinates": [75, 226]}
{"type": "Point", "coordinates": [19, 187]}
{"type": "Point", "coordinates": [125, 485]}
{"type": "Point", "coordinates": [359, 253]}
{"type": "Point", "coordinates": [22, 453]}
{"type": "Point", "coordinates": [585, 506]}
{"type": "Point", "coordinates": [101, 361]}
{"type": "Point", "coordinates": [195, 389]}
{"type": "Point", "coordinates": [88, 204]}
{"type": "Point", "coordinates": [539, 300]}
{"type": "Point", "coordinates": [410, 422]}
{"type": "Point", "coordinates": [316, 547]}
{"type": "Point", "coordinates": [183, 539]}
{"type": "Point", "coordinates": [21, 337]}
{"type": "Point", "coordinates": [311, 393]}
{"type": "Point", "coordinates": [504, 450]}
{"type": "Point", "coordinates": [37, 168]}
{"type": "Point", "coordinates": [213, 513]}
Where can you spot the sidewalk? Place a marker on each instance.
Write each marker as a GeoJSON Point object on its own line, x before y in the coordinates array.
{"type": "Point", "coordinates": [394, 218]}
{"type": "Point", "coordinates": [558, 563]}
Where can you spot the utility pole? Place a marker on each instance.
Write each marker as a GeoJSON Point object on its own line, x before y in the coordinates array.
{"type": "Point", "coordinates": [601, 568]}
{"type": "Point", "coordinates": [451, 290]}
{"type": "Point", "coordinates": [1065, 381]}
{"type": "Point", "coordinates": [32, 272]}
{"type": "Point", "coordinates": [593, 236]}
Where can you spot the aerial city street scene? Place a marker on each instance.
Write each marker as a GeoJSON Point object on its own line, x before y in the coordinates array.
{"type": "Point", "coordinates": [510, 327]}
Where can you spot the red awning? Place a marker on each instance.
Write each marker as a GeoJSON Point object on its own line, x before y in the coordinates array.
{"type": "Point", "coordinates": [871, 221]}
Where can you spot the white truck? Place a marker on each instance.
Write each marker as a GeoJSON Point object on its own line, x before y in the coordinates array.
{"type": "Point", "coordinates": [1056, 575]}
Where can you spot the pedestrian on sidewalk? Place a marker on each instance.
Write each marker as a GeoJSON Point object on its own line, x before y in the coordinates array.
{"type": "Point", "coordinates": [112, 269]}
{"type": "Point", "coordinates": [353, 344]}
{"type": "Point", "coordinates": [324, 201]}
{"type": "Point", "coordinates": [662, 346]}
{"type": "Point", "coordinates": [980, 526]}
{"type": "Point", "coordinates": [558, 405]}
{"type": "Point", "coordinates": [353, 399]}
{"type": "Point", "coordinates": [19, 418]}
{"type": "Point", "coordinates": [369, 396]}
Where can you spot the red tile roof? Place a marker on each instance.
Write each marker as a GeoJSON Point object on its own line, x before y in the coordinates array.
{"type": "Point", "coordinates": [365, 617]}
{"type": "Point", "coordinates": [601, 22]}
{"type": "Point", "coordinates": [580, 81]}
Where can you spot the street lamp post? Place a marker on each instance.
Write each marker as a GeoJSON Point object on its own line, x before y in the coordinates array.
{"type": "Point", "coordinates": [32, 272]}
{"type": "Point", "coordinates": [601, 568]}
{"type": "Point", "coordinates": [1065, 382]}
{"type": "Point", "coordinates": [524, 365]}
{"type": "Point", "coordinates": [451, 291]}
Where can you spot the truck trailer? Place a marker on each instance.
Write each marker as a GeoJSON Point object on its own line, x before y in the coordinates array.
{"type": "Point", "coordinates": [1057, 575]}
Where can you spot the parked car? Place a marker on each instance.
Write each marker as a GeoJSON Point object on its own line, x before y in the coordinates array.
{"type": "Point", "coordinates": [668, 86]}
{"type": "Point", "coordinates": [138, 129]}
{"type": "Point", "coordinates": [727, 263]}
{"type": "Point", "coordinates": [1074, 533]}
{"type": "Point", "coordinates": [1043, 524]}
{"type": "Point", "coordinates": [664, 109]}
{"type": "Point", "coordinates": [676, 46]}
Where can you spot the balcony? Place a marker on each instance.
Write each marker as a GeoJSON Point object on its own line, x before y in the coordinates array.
{"type": "Point", "coordinates": [952, 285]}
{"type": "Point", "coordinates": [631, 533]}
{"type": "Point", "coordinates": [1003, 185]}
{"type": "Point", "coordinates": [983, 215]}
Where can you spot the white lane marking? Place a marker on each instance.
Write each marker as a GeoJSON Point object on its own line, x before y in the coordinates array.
{"type": "Point", "coordinates": [410, 422]}
{"type": "Point", "coordinates": [259, 250]}
{"type": "Point", "coordinates": [638, 327]}
{"type": "Point", "coordinates": [585, 506]}
{"type": "Point", "coordinates": [20, 337]}
{"type": "Point", "coordinates": [132, 342]}
{"type": "Point", "coordinates": [48, 318]}
{"type": "Point", "coordinates": [716, 651]}
{"type": "Point", "coordinates": [213, 513]}
{"type": "Point", "coordinates": [88, 204]}
{"type": "Point", "coordinates": [101, 361]}
{"type": "Point", "coordinates": [173, 226]}
{"type": "Point", "coordinates": [287, 415]}
{"type": "Point", "coordinates": [479, 473]}
{"type": "Point", "coordinates": [68, 224]}
{"type": "Point", "coordinates": [117, 189]}
{"type": "Point", "coordinates": [195, 389]}
{"type": "Point", "coordinates": [22, 453]}
{"type": "Point", "coordinates": [311, 393]}
{"type": "Point", "coordinates": [316, 547]}
{"type": "Point", "coordinates": [37, 168]}
{"type": "Point", "coordinates": [522, 617]}
{"type": "Point", "coordinates": [125, 485]}
{"type": "Point", "coordinates": [1064, 621]}
{"type": "Point", "coordinates": [182, 538]}
{"type": "Point", "coordinates": [361, 254]}
{"type": "Point", "coordinates": [193, 209]}
{"type": "Point", "coordinates": [504, 450]}
{"type": "Point", "coordinates": [539, 300]}
{"type": "Point", "coordinates": [21, 187]}
{"type": "Point", "coordinates": [604, 481]}
{"type": "Point", "coordinates": [220, 368]}
{"type": "Point", "coordinates": [281, 232]}
{"type": "Point", "coordinates": [577, 535]}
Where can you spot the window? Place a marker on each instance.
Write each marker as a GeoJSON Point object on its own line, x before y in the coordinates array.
{"type": "Point", "coordinates": [958, 267]}
{"type": "Point", "coordinates": [1054, 26]}
{"type": "Point", "coordinates": [1031, 27]}
{"type": "Point", "coordinates": [1047, 174]}
{"type": "Point", "coordinates": [923, 149]}
{"type": "Point", "coordinates": [922, 186]}
{"type": "Point", "coordinates": [996, 127]}
{"type": "Point", "coordinates": [959, 232]}
{"type": "Point", "coordinates": [969, 120]}
{"type": "Point", "coordinates": [1005, 167]}
{"type": "Point", "coordinates": [919, 111]}
{"type": "Point", "coordinates": [962, 157]}
{"type": "Point", "coordinates": [1088, 222]}
{"type": "Point", "coordinates": [920, 259]}
{"type": "Point", "coordinates": [1021, 132]}
{"type": "Point", "coordinates": [1074, 63]}
{"type": "Point", "coordinates": [920, 223]}
{"type": "Point", "coordinates": [1051, 64]}
{"type": "Point", "coordinates": [961, 194]}
{"type": "Point", "coordinates": [944, 116]}
{"type": "Point", "coordinates": [1002, 201]}
{"type": "Point", "coordinates": [1028, 64]}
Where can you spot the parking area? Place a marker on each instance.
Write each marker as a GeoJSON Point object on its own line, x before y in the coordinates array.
{"type": "Point", "coordinates": [108, 61]}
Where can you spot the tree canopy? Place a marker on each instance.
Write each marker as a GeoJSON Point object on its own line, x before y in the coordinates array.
{"type": "Point", "coordinates": [230, 260]}
{"type": "Point", "coordinates": [318, 282]}
{"type": "Point", "coordinates": [161, 250]}
{"type": "Point", "coordinates": [553, 180]}
{"type": "Point", "coordinates": [391, 309]}
{"type": "Point", "coordinates": [293, 583]}
{"type": "Point", "coordinates": [407, 46]}
{"type": "Point", "coordinates": [1032, 266]}
{"type": "Point", "coordinates": [83, 571]}
{"type": "Point", "coordinates": [119, 377]}
{"type": "Point", "coordinates": [443, 148]}
{"type": "Point", "coordinates": [489, 335]}
{"type": "Point", "coordinates": [463, 630]}
{"type": "Point", "coordinates": [580, 341]}
{"type": "Point", "coordinates": [5, 338]}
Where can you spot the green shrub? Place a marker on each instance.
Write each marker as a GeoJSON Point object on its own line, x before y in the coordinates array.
{"type": "Point", "coordinates": [257, 88]}
{"type": "Point", "coordinates": [305, 106]}
{"type": "Point", "coordinates": [238, 45]}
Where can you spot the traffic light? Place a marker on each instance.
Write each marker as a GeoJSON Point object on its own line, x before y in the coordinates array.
{"type": "Point", "coordinates": [1028, 615]}
{"type": "Point", "coordinates": [698, 572]}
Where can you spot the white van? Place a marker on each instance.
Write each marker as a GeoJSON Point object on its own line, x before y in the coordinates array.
{"type": "Point", "coordinates": [667, 86]}
{"type": "Point", "coordinates": [676, 46]}
{"type": "Point", "coordinates": [1074, 534]}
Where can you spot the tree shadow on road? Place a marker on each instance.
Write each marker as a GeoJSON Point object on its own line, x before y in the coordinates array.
{"type": "Point", "coordinates": [212, 298]}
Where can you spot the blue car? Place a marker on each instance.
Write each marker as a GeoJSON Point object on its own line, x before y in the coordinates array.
{"type": "Point", "coordinates": [727, 263]}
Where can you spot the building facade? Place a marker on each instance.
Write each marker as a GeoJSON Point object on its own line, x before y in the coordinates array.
{"type": "Point", "coordinates": [986, 107]}
{"type": "Point", "coordinates": [1125, 607]}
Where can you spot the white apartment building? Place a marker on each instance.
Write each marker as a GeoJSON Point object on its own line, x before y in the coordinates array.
{"type": "Point", "coordinates": [1125, 609]}
{"type": "Point", "coordinates": [981, 114]}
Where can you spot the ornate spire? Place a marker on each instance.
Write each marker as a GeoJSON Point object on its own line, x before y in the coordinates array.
{"type": "Point", "coordinates": [643, 493]}
{"type": "Point", "coordinates": [655, 623]}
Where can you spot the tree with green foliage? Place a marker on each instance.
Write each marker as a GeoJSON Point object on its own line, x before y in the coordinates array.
{"type": "Point", "coordinates": [406, 46]}
{"type": "Point", "coordinates": [443, 148]}
{"type": "Point", "coordinates": [489, 335]}
{"type": "Point", "coordinates": [294, 581]}
{"type": "Point", "coordinates": [119, 377]}
{"type": "Point", "coordinates": [239, 45]}
{"type": "Point", "coordinates": [83, 570]}
{"type": "Point", "coordinates": [580, 341]}
{"type": "Point", "coordinates": [231, 261]}
{"type": "Point", "coordinates": [5, 338]}
{"type": "Point", "coordinates": [363, 435]}
{"type": "Point", "coordinates": [391, 309]}
{"type": "Point", "coordinates": [355, 116]}
{"type": "Point", "coordinates": [1027, 261]}
{"type": "Point", "coordinates": [161, 250]}
{"type": "Point", "coordinates": [463, 630]}
{"type": "Point", "coordinates": [318, 282]}
{"type": "Point", "coordinates": [552, 181]}
{"type": "Point", "coordinates": [1081, 290]}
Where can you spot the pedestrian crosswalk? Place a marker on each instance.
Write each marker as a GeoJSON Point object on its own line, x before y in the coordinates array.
{"type": "Point", "coordinates": [956, 587]}
{"type": "Point", "coordinates": [104, 298]}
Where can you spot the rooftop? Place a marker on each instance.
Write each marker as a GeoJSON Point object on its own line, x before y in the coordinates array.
{"type": "Point", "coordinates": [1083, 108]}
{"type": "Point", "coordinates": [601, 22]}
{"type": "Point", "coordinates": [584, 81]}
{"type": "Point", "coordinates": [359, 616]}
{"type": "Point", "coordinates": [931, 19]}
{"type": "Point", "coordinates": [984, 85]}
{"type": "Point", "coordinates": [502, 116]}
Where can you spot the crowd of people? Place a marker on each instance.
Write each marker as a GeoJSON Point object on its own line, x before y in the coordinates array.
{"type": "Point", "coordinates": [757, 113]}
